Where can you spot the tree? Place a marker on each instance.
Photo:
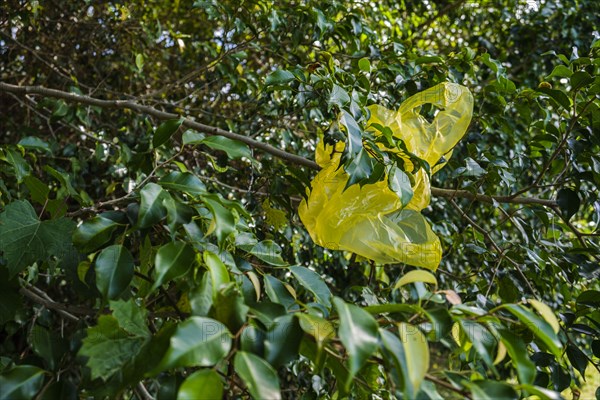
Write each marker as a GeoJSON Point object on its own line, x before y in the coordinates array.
{"type": "Point", "coordinates": [155, 154]}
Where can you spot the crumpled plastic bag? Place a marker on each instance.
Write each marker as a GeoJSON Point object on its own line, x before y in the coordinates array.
{"type": "Point", "coordinates": [370, 220]}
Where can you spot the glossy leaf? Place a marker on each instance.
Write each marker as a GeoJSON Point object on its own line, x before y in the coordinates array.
{"type": "Point", "coordinates": [152, 209]}
{"type": "Point", "coordinates": [21, 382]}
{"type": "Point", "coordinates": [204, 384]}
{"type": "Point", "coordinates": [358, 331]}
{"type": "Point", "coordinates": [218, 271]}
{"type": "Point", "coordinates": [233, 148]}
{"type": "Point", "coordinates": [165, 131]}
{"type": "Point", "coordinates": [114, 271]}
{"type": "Point", "coordinates": [259, 376]}
{"type": "Point", "coordinates": [313, 283]}
{"type": "Point", "coordinates": [197, 342]}
{"type": "Point", "coordinates": [94, 233]}
{"type": "Point", "coordinates": [418, 275]}
{"type": "Point", "coordinates": [172, 261]}
{"type": "Point", "coordinates": [184, 182]}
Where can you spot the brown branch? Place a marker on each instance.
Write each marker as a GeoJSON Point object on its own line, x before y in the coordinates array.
{"type": "Point", "coordinates": [50, 304]}
{"type": "Point", "coordinates": [447, 385]}
{"type": "Point", "coordinates": [211, 130]}
{"type": "Point", "coordinates": [161, 115]}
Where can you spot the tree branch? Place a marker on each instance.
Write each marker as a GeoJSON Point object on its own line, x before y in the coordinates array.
{"type": "Point", "coordinates": [161, 115]}
{"type": "Point", "coordinates": [211, 130]}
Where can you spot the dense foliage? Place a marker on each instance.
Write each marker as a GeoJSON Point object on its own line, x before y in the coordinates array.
{"type": "Point", "coordinates": [154, 153]}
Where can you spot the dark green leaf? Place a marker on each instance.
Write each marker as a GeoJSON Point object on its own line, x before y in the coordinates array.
{"type": "Point", "coordinates": [184, 182]}
{"type": "Point", "coordinates": [165, 131]}
{"type": "Point", "coordinates": [269, 252]}
{"type": "Point", "coordinates": [568, 201]}
{"type": "Point", "coordinates": [21, 229]}
{"type": "Point", "coordinates": [279, 77]}
{"type": "Point", "coordinates": [260, 377]}
{"type": "Point", "coordinates": [20, 166]}
{"type": "Point", "coordinates": [21, 382]}
{"type": "Point", "coordinates": [313, 283]}
{"type": "Point", "coordinates": [152, 209]}
{"type": "Point", "coordinates": [233, 148]}
{"type": "Point", "coordinates": [197, 341]}
{"type": "Point", "coordinates": [400, 184]}
{"type": "Point", "coordinates": [114, 271]}
{"type": "Point", "coordinates": [172, 261]}
{"type": "Point", "coordinates": [94, 233]}
{"type": "Point", "coordinates": [358, 332]}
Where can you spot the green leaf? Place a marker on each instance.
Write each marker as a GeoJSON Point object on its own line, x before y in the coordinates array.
{"type": "Point", "coordinates": [364, 64]}
{"type": "Point", "coordinates": [416, 351]}
{"type": "Point", "coordinates": [400, 184]}
{"type": "Point", "coordinates": [205, 384]}
{"type": "Point", "coordinates": [234, 149]}
{"type": "Point", "coordinates": [580, 79]}
{"type": "Point", "coordinates": [578, 359]}
{"type": "Point", "coordinates": [114, 271]}
{"type": "Point", "coordinates": [20, 166]}
{"type": "Point", "coordinates": [558, 96]}
{"type": "Point", "coordinates": [139, 61]}
{"type": "Point", "coordinates": [541, 392]}
{"type": "Point", "coordinates": [21, 382]}
{"type": "Point", "coordinates": [152, 209]}
{"type": "Point", "coordinates": [172, 261]}
{"type": "Point", "coordinates": [197, 342]}
{"type": "Point", "coordinates": [94, 233]}
{"type": "Point", "coordinates": [397, 362]}
{"type": "Point", "coordinates": [192, 137]}
{"type": "Point", "coordinates": [277, 292]}
{"type": "Point", "coordinates": [313, 283]}
{"type": "Point", "coordinates": [317, 327]}
{"type": "Point", "coordinates": [269, 252]}
{"type": "Point", "coordinates": [131, 317]}
{"type": "Point", "coordinates": [589, 298]}
{"type": "Point", "coordinates": [48, 345]}
{"type": "Point", "coordinates": [360, 168]}
{"type": "Point", "coordinates": [38, 190]}
{"type": "Point", "coordinates": [492, 390]}
{"type": "Point", "coordinates": [165, 130]}
{"type": "Point", "coordinates": [538, 327]}
{"type": "Point", "coordinates": [224, 223]}
{"type": "Point", "coordinates": [482, 341]}
{"type": "Point", "coordinates": [429, 60]}
{"type": "Point", "coordinates": [279, 77]}
{"type": "Point", "coordinates": [338, 97]}
{"type": "Point", "coordinates": [358, 331]}
{"type": "Point", "coordinates": [108, 347]}
{"type": "Point", "coordinates": [568, 201]}
{"type": "Point", "coordinates": [184, 182]}
{"type": "Point", "coordinates": [283, 341]}
{"type": "Point", "coordinates": [417, 275]}
{"type": "Point", "coordinates": [260, 377]}
{"type": "Point", "coordinates": [390, 308]}
{"type": "Point", "coordinates": [560, 71]}
{"type": "Point", "coordinates": [518, 353]}
{"type": "Point", "coordinates": [546, 313]}
{"type": "Point", "coordinates": [354, 132]}
{"type": "Point", "coordinates": [218, 271]}
{"type": "Point", "coordinates": [34, 143]}
{"type": "Point", "coordinates": [21, 229]}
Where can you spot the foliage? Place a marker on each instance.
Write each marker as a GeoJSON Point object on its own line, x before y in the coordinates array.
{"type": "Point", "coordinates": [146, 251]}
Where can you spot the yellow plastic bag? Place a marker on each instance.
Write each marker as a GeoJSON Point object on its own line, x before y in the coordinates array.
{"type": "Point", "coordinates": [371, 220]}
